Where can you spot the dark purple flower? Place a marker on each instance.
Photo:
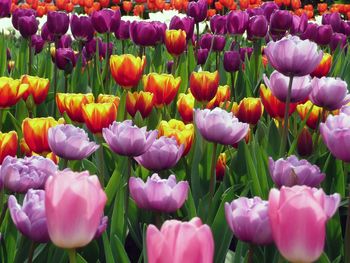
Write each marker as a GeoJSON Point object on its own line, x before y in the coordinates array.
{"type": "Point", "coordinates": [122, 32]}
{"type": "Point", "coordinates": [237, 22]}
{"type": "Point", "coordinates": [257, 27]}
{"type": "Point", "coordinates": [212, 42]}
{"type": "Point", "coordinates": [299, 24]}
{"type": "Point", "coordinates": [269, 8]}
{"type": "Point", "coordinates": [245, 51]}
{"type": "Point", "coordinates": [46, 34]}
{"type": "Point", "coordinates": [147, 33]}
{"type": "Point", "coordinates": [37, 43]}
{"type": "Point", "coordinates": [102, 48]}
{"type": "Point", "coordinates": [65, 59]}
{"type": "Point", "coordinates": [202, 55]}
{"type": "Point", "coordinates": [335, 21]}
{"type": "Point", "coordinates": [345, 28]}
{"type": "Point", "coordinates": [323, 35]}
{"type": "Point", "coordinates": [310, 32]}
{"type": "Point", "coordinates": [169, 66]}
{"type": "Point", "coordinates": [57, 23]}
{"type": "Point", "coordinates": [5, 8]}
{"type": "Point", "coordinates": [280, 21]}
{"type": "Point", "coordinates": [255, 11]}
{"type": "Point", "coordinates": [185, 23]}
{"type": "Point", "coordinates": [65, 41]}
{"type": "Point", "coordinates": [8, 54]}
{"type": "Point", "coordinates": [218, 24]}
{"type": "Point", "coordinates": [102, 227]}
{"type": "Point", "coordinates": [337, 40]}
{"type": "Point", "coordinates": [19, 13]}
{"type": "Point", "coordinates": [232, 61]}
{"type": "Point", "coordinates": [197, 10]}
{"type": "Point", "coordinates": [27, 26]}
{"type": "Point", "coordinates": [106, 20]}
{"type": "Point", "coordinates": [82, 28]}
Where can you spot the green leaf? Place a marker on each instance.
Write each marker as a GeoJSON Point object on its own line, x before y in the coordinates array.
{"type": "Point", "coordinates": [107, 248]}
{"type": "Point", "coordinates": [121, 255]}
{"type": "Point", "coordinates": [252, 172]}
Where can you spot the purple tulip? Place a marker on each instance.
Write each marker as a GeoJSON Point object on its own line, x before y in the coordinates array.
{"type": "Point", "coordinates": [218, 24]}
{"type": "Point", "coordinates": [299, 24]}
{"type": "Point", "coordinates": [30, 218]}
{"type": "Point", "coordinates": [46, 34]}
{"type": "Point", "coordinates": [127, 139]}
{"type": "Point", "coordinates": [5, 8]}
{"type": "Point", "coordinates": [197, 10]}
{"type": "Point", "coordinates": [57, 23]}
{"type": "Point", "coordinates": [255, 12]}
{"type": "Point", "coordinates": [186, 23]}
{"type": "Point", "coordinates": [202, 55]}
{"type": "Point", "coordinates": [102, 48]}
{"type": "Point", "coordinates": [281, 21]}
{"type": "Point", "coordinates": [269, 8]}
{"type": "Point", "coordinates": [106, 20]}
{"type": "Point", "coordinates": [122, 33]}
{"type": "Point", "coordinates": [65, 59]}
{"type": "Point", "coordinates": [292, 56]}
{"type": "Point", "coordinates": [257, 27]}
{"type": "Point", "coordinates": [163, 154]}
{"type": "Point", "coordinates": [81, 27]}
{"type": "Point", "coordinates": [245, 51]}
{"type": "Point", "coordinates": [337, 40]}
{"type": "Point", "coordinates": [169, 66]}
{"type": "Point", "coordinates": [102, 227]}
{"type": "Point", "coordinates": [310, 32]}
{"type": "Point", "coordinates": [345, 109]}
{"type": "Point", "coordinates": [70, 142]}
{"type": "Point", "coordinates": [147, 33]}
{"type": "Point", "coordinates": [220, 126]}
{"type": "Point", "coordinates": [278, 83]}
{"type": "Point", "coordinates": [19, 175]}
{"type": "Point", "coordinates": [170, 195]}
{"type": "Point", "coordinates": [65, 41]}
{"type": "Point", "coordinates": [237, 22]}
{"type": "Point", "coordinates": [249, 220]}
{"type": "Point", "coordinates": [345, 28]}
{"type": "Point", "coordinates": [37, 43]}
{"type": "Point", "coordinates": [291, 171]}
{"type": "Point", "coordinates": [324, 34]}
{"type": "Point", "coordinates": [89, 49]}
{"type": "Point", "coordinates": [21, 13]}
{"type": "Point", "coordinates": [212, 42]}
{"type": "Point", "coordinates": [329, 93]}
{"type": "Point", "coordinates": [335, 21]}
{"type": "Point", "coordinates": [232, 61]}
{"type": "Point", "coordinates": [27, 26]}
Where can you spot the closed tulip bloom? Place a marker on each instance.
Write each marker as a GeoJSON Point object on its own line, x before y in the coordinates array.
{"type": "Point", "coordinates": [99, 115]}
{"type": "Point", "coordinates": [222, 95]}
{"type": "Point", "coordinates": [81, 27]}
{"type": "Point", "coordinates": [38, 88]}
{"type": "Point", "coordinates": [202, 55]}
{"type": "Point", "coordinates": [268, 9]}
{"type": "Point", "coordinates": [291, 171]}
{"type": "Point", "coordinates": [144, 33]}
{"type": "Point", "coordinates": [163, 86]}
{"type": "Point", "coordinates": [74, 205]}
{"type": "Point", "coordinates": [11, 91]}
{"type": "Point", "coordinates": [220, 167]}
{"type": "Point", "coordinates": [324, 67]}
{"type": "Point", "coordinates": [218, 24]}
{"type": "Point", "coordinates": [315, 114]}
{"type": "Point", "coordinates": [127, 139]}
{"type": "Point", "coordinates": [35, 133]}
{"type": "Point", "coordinates": [249, 110]}
{"type": "Point", "coordinates": [46, 34]}
{"type": "Point", "coordinates": [21, 12]}
{"type": "Point", "coordinates": [336, 134]}
{"type": "Point", "coordinates": [30, 218]}
{"type": "Point", "coordinates": [106, 98]}
{"type": "Point", "coordinates": [27, 26]}
{"type": "Point", "coordinates": [204, 85]}
{"type": "Point", "coordinates": [278, 83]}
{"type": "Point", "coordinates": [127, 69]}
{"type": "Point", "coordinates": [186, 24]}
{"type": "Point", "coordinates": [245, 52]}
{"type": "Point", "coordinates": [257, 27]}
{"type": "Point", "coordinates": [19, 175]}
{"type": "Point", "coordinates": [185, 105]}
{"type": "Point", "coordinates": [65, 41]}
{"type": "Point", "coordinates": [106, 20]}
{"type": "Point", "coordinates": [37, 43]}
{"type": "Point", "coordinates": [170, 196]}
{"type": "Point", "coordinates": [329, 93]}
{"type": "Point", "coordinates": [163, 154]}
{"type": "Point", "coordinates": [57, 23]}
{"type": "Point", "coordinates": [175, 41]}
{"type": "Point", "coordinates": [299, 24]}
{"type": "Point", "coordinates": [122, 32]}
{"type": "Point", "coordinates": [273, 106]}
{"type": "Point", "coordinates": [185, 242]}
{"type": "Point", "coordinates": [65, 59]}
{"type": "Point", "coordinates": [212, 42]}
{"type": "Point", "coordinates": [324, 34]}
{"type": "Point", "coordinates": [305, 209]}
{"type": "Point", "coordinates": [249, 220]}
{"type": "Point", "coordinates": [310, 32]}
{"type": "Point", "coordinates": [220, 126]}
{"type": "Point", "coordinates": [5, 8]}
{"type": "Point", "coordinates": [305, 143]}
{"type": "Point", "coordinates": [141, 101]}
{"type": "Point", "coordinates": [197, 10]}
{"type": "Point", "coordinates": [301, 59]}
{"type": "Point", "coordinates": [70, 142]}
{"type": "Point", "coordinates": [338, 40]}
{"type": "Point", "coordinates": [280, 21]}
{"type": "Point", "coordinates": [237, 22]}
{"type": "Point", "coordinates": [8, 145]}
{"type": "Point", "coordinates": [232, 61]}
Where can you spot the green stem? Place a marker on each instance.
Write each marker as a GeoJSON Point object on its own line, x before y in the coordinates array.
{"type": "Point", "coordinates": [100, 158]}
{"type": "Point", "coordinates": [72, 255]}
{"type": "Point", "coordinates": [3, 213]}
{"type": "Point", "coordinates": [233, 88]}
{"type": "Point", "coordinates": [55, 76]}
{"type": "Point", "coordinates": [31, 252]}
{"type": "Point", "coordinates": [1, 117]}
{"type": "Point", "coordinates": [107, 63]}
{"type": "Point", "coordinates": [197, 40]}
{"type": "Point", "coordinates": [347, 229]}
{"type": "Point", "coordinates": [127, 189]}
{"type": "Point", "coordinates": [286, 116]}
{"type": "Point", "coordinates": [30, 56]}
{"type": "Point", "coordinates": [256, 53]}
{"type": "Point", "coordinates": [66, 88]}
{"type": "Point", "coordinates": [158, 219]}
{"type": "Point", "coordinates": [250, 254]}
{"type": "Point", "coordinates": [212, 173]}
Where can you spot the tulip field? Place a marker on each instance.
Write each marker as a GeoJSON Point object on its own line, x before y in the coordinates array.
{"type": "Point", "coordinates": [174, 131]}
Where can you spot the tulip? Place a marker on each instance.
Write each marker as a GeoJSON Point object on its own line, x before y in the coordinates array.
{"type": "Point", "coordinates": [232, 61]}
{"type": "Point", "coordinates": [27, 26]}
{"type": "Point", "coordinates": [98, 115]}
{"type": "Point", "coordinates": [304, 143]}
{"type": "Point", "coordinates": [280, 21]}
{"type": "Point", "coordinates": [237, 22]}
{"type": "Point", "coordinates": [127, 139]}
{"type": "Point", "coordinates": [70, 142]}
{"type": "Point", "coordinates": [185, 242]}
{"type": "Point", "coordinates": [197, 10]}
{"type": "Point", "coordinates": [46, 34]}
{"type": "Point", "coordinates": [184, 134]}
{"type": "Point", "coordinates": [257, 27]}
{"type": "Point", "coordinates": [268, 9]}
{"type": "Point", "coordinates": [220, 126]}
{"type": "Point", "coordinates": [163, 86]}
{"type": "Point", "coordinates": [329, 93]}
{"type": "Point", "coordinates": [171, 195]}
{"type": "Point", "coordinates": [204, 85]}
{"type": "Point", "coordinates": [106, 98]}
{"type": "Point", "coordinates": [74, 205]}
{"type": "Point", "coordinates": [18, 13]}
{"type": "Point", "coordinates": [186, 24]}
{"type": "Point", "coordinates": [35, 133]}
{"type": "Point", "coordinates": [30, 218]}
{"type": "Point", "coordinates": [122, 32]}
{"type": "Point", "coordinates": [335, 134]}
{"type": "Point", "coordinates": [5, 8]}
{"type": "Point", "coordinates": [82, 28]}
{"type": "Point", "coordinates": [302, 59]}
{"type": "Point", "coordinates": [185, 105]}
{"type": "Point", "coordinates": [57, 23]}
{"type": "Point", "coordinates": [141, 101]}
{"type": "Point", "coordinates": [20, 175]}
{"type": "Point", "coordinates": [212, 42]}
{"type": "Point", "coordinates": [249, 220]}
{"type": "Point", "coordinates": [106, 20]}
{"type": "Point", "coordinates": [315, 114]}
{"type": "Point", "coordinates": [163, 154]}
{"type": "Point", "coordinates": [303, 208]}
{"type": "Point", "coordinates": [175, 41]}
{"type": "Point", "coordinates": [8, 145]}
{"type": "Point", "coordinates": [222, 95]}
{"type": "Point", "coordinates": [147, 33]}
{"type": "Point", "coordinates": [37, 43]}
{"type": "Point", "coordinates": [65, 41]}
{"type": "Point", "coordinates": [338, 40]}
{"type": "Point", "coordinates": [65, 59]}
{"type": "Point", "coordinates": [323, 35]}
{"type": "Point", "coordinates": [220, 167]}
{"type": "Point", "coordinates": [202, 55]}
{"type": "Point", "coordinates": [291, 171]}
{"type": "Point", "coordinates": [324, 67]}
{"type": "Point", "coordinates": [11, 91]}
{"type": "Point", "coordinates": [245, 52]}
{"type": "Point", "coordinates": [72, 104]}
{"type": "Point", "coordinates": [38, 88]}
{"type": "Point", "coordinates": [278, 83]}
{"type": "Point", "coordinates": [127, 69]}
{"type": "Point", "coordinates": [218, 24]}
{"type": "Point", "coordinates": [299, 24]}
{"type": "Point", "coordinates": [249, 110]}
{"type": "Point", "coordinates": [255, 11]}
{"type": "Point", "coordinates": [310, 32]}
{"type": "Point", "coordinates": [333, 19]}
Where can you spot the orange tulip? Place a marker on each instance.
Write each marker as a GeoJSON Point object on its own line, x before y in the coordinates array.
{"type": "Point", "coordinates": [211, 12]}
{"type": "Point", "coordinates": [204, 85]}
{"type": "Point", "coordinates": [8, 144]}
{"type": "Point", "coordinates": [175, 41]}
{"type": "Point", "coordinates": [324, 67]}
{"type": "Point", "coordinates": [99, 115]}
{"type": "Point", "coordinates": [220, 167]}
{"type": "Point", "coordinates": [222, 95]}
{"type": "Point", "coordinates": [37, 87]}
{"type": "Point", "coordinates": [11, 91]}
{"type": "Point", "coordinates": [185, 105]}
{"type": "Point", "coordinates": [183, 134]}
{"type": "Point", "coordinates": [322, 7]}
{"type": "Point", "coordinates": [127, 69]}
{"type": "Point", "coordinates": [226, 3]}
{"type": "Point", "coordinates": [139, 102]}
{"type": "Point", "coordinates": [35, 133]}
{"type": "Point", "coordinates": [24, 148]}
{"type": "Point", "coordinates": [163, 86]}
{"type": "Point", "coordinates": [102, 98]}
{"type": "Point", "coordinates": [127, 6]}
{"type": "Point", "coordinates": [218, 6]}
{"type": "Point", "coordinates": [273, 106]}
{"type": "Point", "coordinates": [249, 110]}
{"type": "Point", "coordinates": [315, 115]}
{"type": "Point", "coordinates": [72, 103]}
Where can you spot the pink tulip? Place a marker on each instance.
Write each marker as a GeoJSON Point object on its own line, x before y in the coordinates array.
{"type": "Point", "coordinates": [298, 217]}
{"type": "Point", "coordinates": [180, 242]}
{"type": "Point", "coordinates": [74, 207]}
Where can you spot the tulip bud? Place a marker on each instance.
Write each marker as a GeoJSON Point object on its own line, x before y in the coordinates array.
{"type": "Point", "coordinates": [197, 10]}
{"type": "Point", "coordinates": [204, 85]}
{"type": "Point", "coordinates": [280, 21]}
{"type": "Point", "coordinates": [57, 23]}
{"type": "Point", "coordinates": [175, 41]}
{"type": "Point", "coordinates": [99, 115]}
{"type": "Point", "coordinates": [202, 55]}
{"type": "Point", "coordinates": [8, 145]}
{"type": "Point", "coordinates": [141, 101]}
{"type": "Point", "coordinates": [315, 115]}
{"type": "Point", "coordinates": [222, 95]}
{"type": "Point", "coordinates": [305, 145]}
{"type": "Point", "coordinates": [237, 22]}
{"type": "Point", "coordinates": [257, 27]}
{"type": "Point", "coordinates": [185, 105]}
{"type": "Point", "coordinates": [324, 34]}
{"type": "Point", "coordinates": [232, 61]}
{"type": "Point", "coordinates": [249, 110]}
{"type": "Point", "coordinates": [185, 23]}
{"type": "Point", "coordinates": [220, 167]}
{"type": "Point", "coordinates": [27, 26]}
